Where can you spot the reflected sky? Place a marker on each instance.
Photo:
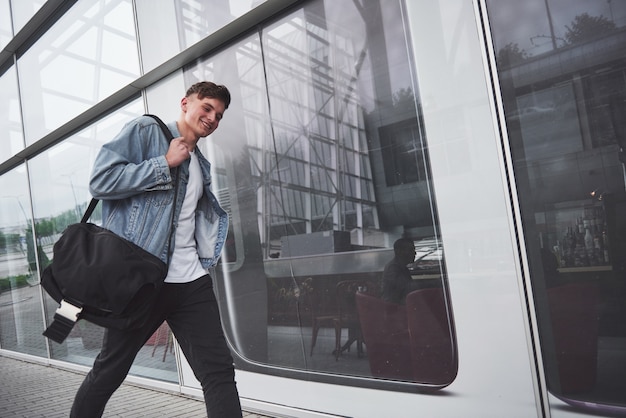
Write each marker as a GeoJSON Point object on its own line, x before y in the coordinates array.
{"type": "Point", "coordinates": [534, 35]}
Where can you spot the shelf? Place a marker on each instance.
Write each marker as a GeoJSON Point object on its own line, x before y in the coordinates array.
{"type": "Point", "coordinates": [590, 269]}
{"type": "Point", "coordinates": [425, 276]}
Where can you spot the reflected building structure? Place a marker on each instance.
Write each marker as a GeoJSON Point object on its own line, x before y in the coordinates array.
{"type": "Point", "coordinates": [334, 166]}
{"type": "Point", "coordinates": [339, 136]}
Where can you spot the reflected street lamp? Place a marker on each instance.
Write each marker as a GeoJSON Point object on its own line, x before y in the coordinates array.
{"type": "Point", "coordinates": [551, 24]}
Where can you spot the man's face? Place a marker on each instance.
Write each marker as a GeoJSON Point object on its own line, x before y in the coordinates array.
{"type": "Point", "coordinates": [202, 116]}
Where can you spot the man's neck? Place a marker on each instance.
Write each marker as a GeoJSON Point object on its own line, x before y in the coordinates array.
{"type": "Point", "coordinates": [188, 137]}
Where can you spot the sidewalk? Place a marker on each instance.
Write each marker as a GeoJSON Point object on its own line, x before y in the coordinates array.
{"type": "Point", "coordinates": [29, 390]}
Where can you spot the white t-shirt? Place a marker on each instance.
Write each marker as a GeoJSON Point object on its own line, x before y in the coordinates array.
{"type": "Point", "coordinates": [184, 264]}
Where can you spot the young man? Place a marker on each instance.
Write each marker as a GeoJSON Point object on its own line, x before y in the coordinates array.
{"type": "Point", "coordinates": [135, 176]}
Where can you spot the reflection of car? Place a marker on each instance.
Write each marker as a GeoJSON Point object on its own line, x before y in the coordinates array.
{"type": "Point", "coordinates": [428, 256]}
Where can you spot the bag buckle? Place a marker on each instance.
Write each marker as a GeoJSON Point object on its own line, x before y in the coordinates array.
{"type": "Point", "coordinates": [69, 311]}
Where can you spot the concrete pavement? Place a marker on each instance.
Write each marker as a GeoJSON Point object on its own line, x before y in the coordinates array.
{"type": "Point", "coordinates": [29, 390]}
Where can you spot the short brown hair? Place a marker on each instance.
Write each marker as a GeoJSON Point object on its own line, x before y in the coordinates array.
{"type": "Point", "coordinates": [209, 89]}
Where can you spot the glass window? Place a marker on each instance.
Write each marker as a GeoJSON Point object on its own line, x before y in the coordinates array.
{"type": "Point", "coordinates": [87, 55]}
{"type": "Point", "coordinates": [6, 30]}
{"type": "Point", "coordinates": [10, 115]}
{"type": "Point", "coordinates": [23, 10]}
{"type": "Point", "coordinates": [299, 164]}
{"type": "Point", "coordinates": [20, 294]}
{"type": "Point", "coordinates": [563, 77]}
{"type": "Point", "coordinates": [59, 179]}
{"type": "Point", "coordinates": [167, 27]}
{"type": "Point", "coordinates": [403, 153]}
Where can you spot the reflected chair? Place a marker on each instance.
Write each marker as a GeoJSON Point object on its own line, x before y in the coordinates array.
{"type": "Point", "coordinates": [385, 333]}
{"type": "Point", "coordinates": [162, 336]}
{"type": "Point", "coordinates": [347, 316]}
{"type": "Point", "coordinates": [574, 319]}
{"type": "Point", "coordinates": [433, 355]}
{"type": "Point", "coordinates": [319, 316]}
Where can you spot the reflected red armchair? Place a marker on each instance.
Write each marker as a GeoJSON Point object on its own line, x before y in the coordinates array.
{"type": "Point", "coordinates": [385, 332]}
{"type": "Point", "coordinates": [574, 315]}
{"type": "Point", "coordinates": [433, 356]}
{"type": "Point", "coordinates": [319, 319]}
{"type": "Point", "coordinates": [347, 316]}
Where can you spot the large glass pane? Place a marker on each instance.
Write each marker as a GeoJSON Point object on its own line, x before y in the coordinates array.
{"type": "Point", "coordinates": [60, 179]}
{"type": "Point", "coordinates": [167, 27]}
{"type": "Point", "coordinates": [563, 76]}
{"type": "Point", "coordinates": [23, 10]}
{"type": "Point", "coordinates": [21, 318]}
{"type": "Point", "coordinates": [324, 110]}
{"type": "Point", "coordinates": [6, 30]}
{"type": "Point", "coordinates": [10, 115]}
{"type": "Point", "coordinates": [87, 55]}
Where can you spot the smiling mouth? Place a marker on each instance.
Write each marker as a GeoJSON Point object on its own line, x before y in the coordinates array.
{"type": "Point", "coordinates": [207, 125]}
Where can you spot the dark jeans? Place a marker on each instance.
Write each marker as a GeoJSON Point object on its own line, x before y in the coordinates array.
{"type": "Point", "coordinates": [192, 313]}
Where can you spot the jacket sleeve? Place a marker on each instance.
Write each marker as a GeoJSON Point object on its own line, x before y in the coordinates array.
{"type": "Point", "coordinates": [133, 162]}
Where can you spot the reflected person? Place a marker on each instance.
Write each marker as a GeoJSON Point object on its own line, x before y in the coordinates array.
{"type": "Point", "coordinates": [134, 176]}
{"type": "Point", "coordinates": [397, 281]}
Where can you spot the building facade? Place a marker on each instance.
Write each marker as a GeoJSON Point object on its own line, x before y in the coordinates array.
{"type": "Point", "coordinates": [489, 131]}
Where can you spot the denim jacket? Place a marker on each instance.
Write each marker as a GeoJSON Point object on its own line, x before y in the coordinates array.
{"type": "Point", "coordinates": [131, 177]}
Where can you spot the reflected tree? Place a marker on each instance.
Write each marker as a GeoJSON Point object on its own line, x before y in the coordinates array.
{"type": "Point", "coordinates": [9, 242]}
{"type": "Point", "coordinates": [404, 98]}
{"type": "Point", "coordinates": [585, 27]}
{"type": "Point", "coordinates": [44, 261]}
{"type": "Point", "coordinates": [511, 54]}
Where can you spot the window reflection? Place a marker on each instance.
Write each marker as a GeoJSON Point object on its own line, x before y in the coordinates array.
{"type": "Point", "coordinates": [301, 162]}
{"type": "Point", "coordinates": [170, 26]}
{"type": "Point", "coordinates": [10, 119]}
{"type": "Point", "coordinates": [563, 78]}
{"type": "Point", "coordinates": [60, 188]}
{"type": "Point", "coordinates": [23, 11]}
{"type": "Point", "coordinates": [86, 56]}
{"type": "Point", "coordinates": [6, 32]}
{"type": "Point", "coordinates": [20, 294]}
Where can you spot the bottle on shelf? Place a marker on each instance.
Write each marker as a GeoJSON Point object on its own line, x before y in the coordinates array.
{"type": "Point", "coordinates": [584, 241]}
{"type": "Point", "coordinates": [605, 246]}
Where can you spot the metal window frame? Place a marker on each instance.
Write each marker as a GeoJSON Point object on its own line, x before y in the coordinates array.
{"type": "Point", "coordinates": [53, 10]}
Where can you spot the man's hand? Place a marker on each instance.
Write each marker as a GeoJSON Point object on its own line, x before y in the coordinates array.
{"type": "Point", "coordinates": [177, 152]}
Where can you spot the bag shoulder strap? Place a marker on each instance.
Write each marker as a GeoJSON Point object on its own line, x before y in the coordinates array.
{"type": "Point", "coordinates": [89, 211]}
{"type": "Point", "coordinates": [163, 126]}
{"type": "Point", "coordinates": [94, 201]}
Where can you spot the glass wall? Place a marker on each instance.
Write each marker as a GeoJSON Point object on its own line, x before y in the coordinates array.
{"type": "Point", "coordinates": [167, 27]}
{"type": "Point", "coordinates": [90, 53]}
{"type": "Point", "coordinates": [309, 162]}
{"type": "Point", "coordinates": [330, 154]}
{"type": "Point", "coordinates": [20, 295]}
{"type": "Point", "coordinates": [322, 163]}
{"type": "Point", "coordinates": [563, 79]}
{"type": "Point", "coordinates": [6, 31]}
{"type": "Point", "coordinates": [10, 115]}
{"type": "Point", "coordinates": [60, 197]}
{"type": "Point", "coordinates": [22, 11]}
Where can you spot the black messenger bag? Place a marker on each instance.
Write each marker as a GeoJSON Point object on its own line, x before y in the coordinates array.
{"type": "Point", "coordinates": [100, 277]}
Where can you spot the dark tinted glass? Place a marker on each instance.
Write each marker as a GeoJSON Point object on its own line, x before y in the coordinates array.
{"type": "Point", "coordinates": [563, 77]}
